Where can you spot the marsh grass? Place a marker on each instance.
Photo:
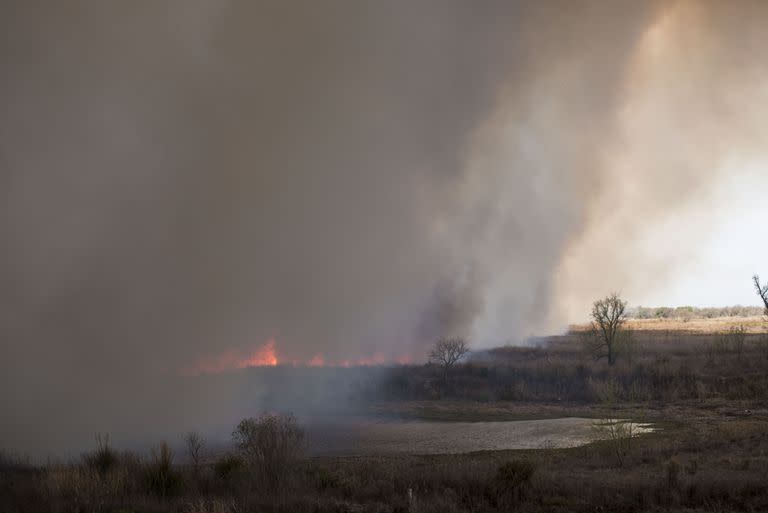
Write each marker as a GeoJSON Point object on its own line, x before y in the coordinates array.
{"type": "Point", "coordinates": [664, 366]}
{"type": "Point", "coordinates": [690, 467]}
{"type": "Point", "coordinates": [710, 455]}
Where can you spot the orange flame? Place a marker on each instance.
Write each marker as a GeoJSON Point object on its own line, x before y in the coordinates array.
{"type": "Point", "coordinates": [317, 361]}
{"type": "Point", "coordinates": [404, 359]}
{"type": "Point", "coordinates": [266, 356]}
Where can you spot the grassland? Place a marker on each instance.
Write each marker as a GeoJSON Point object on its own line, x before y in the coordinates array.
{"type": "Point", "coordinates": [705, 326]}
{"type": "Point", "coordinates": [705, 388]}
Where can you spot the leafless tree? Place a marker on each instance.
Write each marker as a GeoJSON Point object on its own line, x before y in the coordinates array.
{"type": "Point", "coordinates": [195, 444]}
{"type": "Point", "coordinates": [447, 351]}
{"type": "Point", "coordinates": [762, 291]}
{"type": "Point", "coordinates": [607, 331]}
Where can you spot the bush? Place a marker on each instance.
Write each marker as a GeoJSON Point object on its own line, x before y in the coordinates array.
{"type": "Point", "coordinates": [512, 479]}
{"type": "Point", "coordinates": [13, 463]}
{"type": "Point", "coordinates": [617, 437]}
{"type": "Point", "coordinates": [269, 445]}
{"type": "Point", "coordinates": [228, 467]}
{"type": "Point", "coordinates": [161, 478]}
{"type": "Point", "coordinates": [672, 473]}
{"type": "Point", "coordinates": [103, 458]}
{"type": "Point", "coordinates": [323, 478]}
{"type": "Point", "coordinates": [515, 474]}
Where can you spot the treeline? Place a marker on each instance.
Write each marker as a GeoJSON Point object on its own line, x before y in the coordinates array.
{"type": "Point", "coordinates": [692, 312]}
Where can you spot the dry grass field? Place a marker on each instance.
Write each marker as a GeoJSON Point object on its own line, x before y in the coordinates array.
{"type": "Point", "coordinates": [702, 383]}
{"type": "Point", "coordinates": [707, 326]}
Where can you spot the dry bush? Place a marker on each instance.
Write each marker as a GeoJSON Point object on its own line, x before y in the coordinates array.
{"type": "Point", "coordinates": [270, 446]}
{"type": "Point", "coordinates": [514, 476]}
{"type": "Point", "coordinates": [617, 437]}
{"type": "Point", "coordinates": [230, 471]}
{"type": "Point", "coordinates": [72, 482]}
{"type": "Point", "coordinates": [10, 463]}
{"type": "Point", "coordinates": [103, 458]}
{"type": "Point", "coordinates": [161, 477]}
{"type": "Point", "coordinates": [83, 484]}
{"type": "Point", "coordinates": [672, 473]}
{"type": "Point", "coordinates": [212, 506]}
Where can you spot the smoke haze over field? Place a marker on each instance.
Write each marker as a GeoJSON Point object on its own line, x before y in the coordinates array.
{"type": "Point", "coordinates": [186, 179]}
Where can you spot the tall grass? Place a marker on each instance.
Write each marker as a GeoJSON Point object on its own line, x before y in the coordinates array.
{"type": "Point", "coordinates": [161, 477]}
{"type": "Point", "coordinates": [696, 468]}
{"type": "Point", "coordinates": [103, 458]}
{"type": "Point", "coordinates": [719, 462]}
{"type": "Point", "coordinates": [662, 366]}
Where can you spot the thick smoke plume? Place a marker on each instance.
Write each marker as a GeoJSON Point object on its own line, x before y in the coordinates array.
{"type": "Point", "coordinates": [187, 179]}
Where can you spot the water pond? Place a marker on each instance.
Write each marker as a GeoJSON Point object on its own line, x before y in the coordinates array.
{"type": "Point", "coordinates": [361, 437]}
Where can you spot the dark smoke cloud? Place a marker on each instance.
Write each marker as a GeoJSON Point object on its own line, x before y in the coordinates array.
{"type": "Point", "coordinates": [187, 177]}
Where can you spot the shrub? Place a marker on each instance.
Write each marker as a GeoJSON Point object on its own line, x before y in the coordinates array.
{"type": "Point", "coordinates": [617, 435]}
{"type": "Point", "coordinates": [213, 506]}
{"type": "Point", "coordinates": [515, 474]}
{"type": "Point", "coordinates": [269, 445]}
{"type": "Point", "coordinates": [511, 481]}
{"type": "Point", "coordinates": [13, 463]}
{"type": "Point", "coordinates": [228, 467]}
{"type": "Point", "coordinates": [607, 392]}
{"type": "Point", "coordinates": [103, 458]}
{"type": "Point", "coordinates": [323, 478]}
{"type": "Point", "coordinates": [672, 473]}
{"type": "Point", "coordinates": [161, 478]}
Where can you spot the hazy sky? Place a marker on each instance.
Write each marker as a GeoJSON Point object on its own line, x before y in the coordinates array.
{"type": "Point", "coordinates": [352, 179]}
{"type": "Point", "coordinates": [732, 249]}
{"type": "Point", "coordinates": [677, 221]}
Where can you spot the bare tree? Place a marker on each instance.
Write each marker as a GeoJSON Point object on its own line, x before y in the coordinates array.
{"type": "Point", "coordinates": [607, 332]}
{"type": "Point", "coordinates": [446, 352]}
{"type": "Point", "coordinates": [762, 291]}
{"type": "Point", "coordinates": [195, 445]}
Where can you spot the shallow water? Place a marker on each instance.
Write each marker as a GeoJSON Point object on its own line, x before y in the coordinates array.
{"type": "Point", "coordinates": [417, 437]}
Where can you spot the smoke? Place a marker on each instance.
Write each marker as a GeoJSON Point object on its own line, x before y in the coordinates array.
{"type": "Point", "coordinates": [187, 179]}
{"type": "Point", "coordinates": [692, 118]}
